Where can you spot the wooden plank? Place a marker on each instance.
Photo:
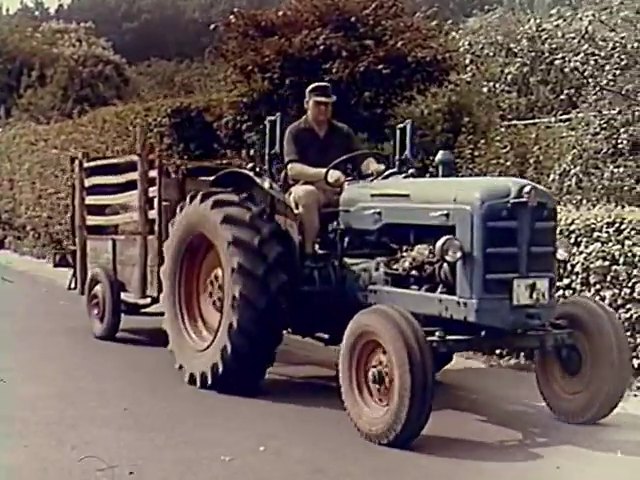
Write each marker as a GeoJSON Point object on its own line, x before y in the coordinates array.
{"type": "Point", "coordinates": [115, 199]}
{"type": "Point", "coordinates": [80, 226]}
{"type": "Point", "coordinates": [119, 198]}
{"type": "Point", "coordinates": [111, 220]}
{"type": "Point", "coordinates": [155, 246]}
{"type": "Point", "coordinates": [120, 236]}
{"type": "Point", "coordinates": [111, 179]}
{"type": "Point", "coordinates": [99, 162]}
{"type": "Point", "coordinates": [170, 190]}
{"type": "Point", "coordinates": [115, 179]}
{"type": "Point", "coordinates": [196, 185]}
{"type": "Point", "coordinates": [143, 212]}
{"type": "Point", "coordinates": [124, 256]}
{"type": "Point", "coordinates": [153, 267]}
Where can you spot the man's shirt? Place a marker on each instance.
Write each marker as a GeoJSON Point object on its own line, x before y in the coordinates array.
{"type": "Point", "coordinates": [302, 143]}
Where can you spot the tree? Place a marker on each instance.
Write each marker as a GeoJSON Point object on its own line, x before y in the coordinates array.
{"type": "Point", "coordinates": [55, 70]}
{"type": "Point", "coordinates": [144, 29]}
{"type": "Point", "coordinates": [374, 54]}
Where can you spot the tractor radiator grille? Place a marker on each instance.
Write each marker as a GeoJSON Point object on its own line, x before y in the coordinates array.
{"type": "Point", "coordinates": [519, 241]}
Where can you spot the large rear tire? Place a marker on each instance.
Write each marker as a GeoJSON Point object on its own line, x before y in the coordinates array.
{"type": "Point", "coordinates": [226, 276]}
{"type": "Point", "coordinates": [583, 384]}
{"type": "Point", "coordinates": [386, 376]}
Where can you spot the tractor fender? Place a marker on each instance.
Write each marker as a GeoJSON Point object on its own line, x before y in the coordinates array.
{"type": "Point", "coordinates": [242, 181]}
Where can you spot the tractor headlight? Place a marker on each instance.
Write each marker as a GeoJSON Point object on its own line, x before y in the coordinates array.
{"type": "Point", "coordinates": [563, 250]}
{"type": "Point", "coordinates": [449, 249]}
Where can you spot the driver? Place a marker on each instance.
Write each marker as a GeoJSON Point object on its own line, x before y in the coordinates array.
{"type": "Point", "coordinates": [311, 144]}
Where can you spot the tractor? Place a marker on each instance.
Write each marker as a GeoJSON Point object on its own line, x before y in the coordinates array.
{"type": "Point", "coordinates": [410, 270]}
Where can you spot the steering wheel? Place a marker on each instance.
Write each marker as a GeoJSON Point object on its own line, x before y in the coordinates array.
{"type": "Point", "coordinates": [355, 161]}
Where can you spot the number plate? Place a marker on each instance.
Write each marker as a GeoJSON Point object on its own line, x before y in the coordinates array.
{"type": "Point", "coordinates": [530, 291]}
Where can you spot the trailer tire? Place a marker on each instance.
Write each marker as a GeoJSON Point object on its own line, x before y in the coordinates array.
{"type": "Point", "coordinates": [102, 301]}
{"type": "Point", "coordinates": [226, 275]}
{"type": "Point", "coordinates": [395, 415]}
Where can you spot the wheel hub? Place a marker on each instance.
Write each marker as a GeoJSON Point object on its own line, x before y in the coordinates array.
{"type": "Point", "coordinates": [96, 303]}
{"type": "Point", "coordinates": [374, 375]}
{"type": "Point", "coordinates": [214, 289]}
{"type": "Point", "coordinates": [201, 292]}
{"type": "Point", "coordinates": [570, 359]}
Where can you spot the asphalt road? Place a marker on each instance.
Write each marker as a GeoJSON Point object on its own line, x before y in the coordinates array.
{"type": "Point", "coordinates": [72, 407]}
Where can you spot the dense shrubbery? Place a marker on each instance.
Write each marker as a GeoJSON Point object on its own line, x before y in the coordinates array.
{"type": "Point", "coordinates": [144, 29]}
{"type": "Point", "coordinates": [54, 70]}
{"type": "Point", "coordinates": [34, 194]}
{"type": "Point", "coordinates": [579, 68]}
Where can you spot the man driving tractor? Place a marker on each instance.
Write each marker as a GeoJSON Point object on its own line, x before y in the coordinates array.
{"type": "Point", "coordinates": [311, 144]}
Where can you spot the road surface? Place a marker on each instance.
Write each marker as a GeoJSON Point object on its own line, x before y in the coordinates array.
{"type": "Point", "coordinates": [72, 407]}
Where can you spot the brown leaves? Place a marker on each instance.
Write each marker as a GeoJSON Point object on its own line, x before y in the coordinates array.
{"type": "Point", "coordinates": [373, 53]}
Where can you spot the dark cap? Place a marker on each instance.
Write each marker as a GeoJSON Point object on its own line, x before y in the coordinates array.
{"type": "Point", "coordinates": [320, 91]}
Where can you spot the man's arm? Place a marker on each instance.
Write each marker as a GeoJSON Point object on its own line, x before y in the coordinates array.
{"type": "Point", "coordinates": [297, 171]}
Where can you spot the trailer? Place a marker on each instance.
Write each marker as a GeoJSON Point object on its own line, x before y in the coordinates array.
{"type": "Point", "coordinates": [121, 206]}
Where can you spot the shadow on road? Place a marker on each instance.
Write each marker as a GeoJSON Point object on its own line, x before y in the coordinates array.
{"type": "Point", "coordinates": [486, 415]}
{"type": "Point", "coordinates": [502, 400]}
{"type": "Point", "coordinates": [154, 337]}
{"type": "Point", "coordinates": [316, 392]}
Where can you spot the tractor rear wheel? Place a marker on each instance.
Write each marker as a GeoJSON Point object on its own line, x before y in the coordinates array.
{"type": "Point", "coordinates": [386, 376]}
{"type": "Point", "coordinates": [585, 382]}
{"type": "Point", "coordinates": [226, 276]}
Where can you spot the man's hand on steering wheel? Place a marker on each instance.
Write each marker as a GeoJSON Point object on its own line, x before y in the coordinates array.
{"type": "Point", "coordinates": [371, 167]}
{"type": "Point", "coordinates": [365, 162]}
{"type": "Point", "coordinates": [335, 178]}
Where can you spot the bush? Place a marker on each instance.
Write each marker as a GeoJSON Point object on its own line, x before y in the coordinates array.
{"type": "Point", "coordinates": [141, 30]}
{"type": "Point", "coordinates": [575, 66]}
{"type": "Point", "coordinates": [374, 54]}
{"type": "Point", "coordinates": [573, 59]}
{"type": "Point", "coordinates": [55, 70]}
{"type": "Point", "coordinates": [163, 79]}
{"type": "Point", "coordinates": [35, 175]}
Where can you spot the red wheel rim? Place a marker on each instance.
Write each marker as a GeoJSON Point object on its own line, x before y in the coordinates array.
{"type": "Point", "coordinates": [201, 292]}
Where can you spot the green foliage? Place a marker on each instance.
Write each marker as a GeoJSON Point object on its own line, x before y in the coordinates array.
{"type": "Point", "coordinates": [35, 175]}
{"type": "Point", "coordinates": [569, 60]}
{"type": "Point", "coordinates": [164, 79]}
{"type": "Point", "coordinates": [374, 54]}
{"type": "Point", "coordinates": [144, 29]}
{"type": "Point", "coordinates": [574, 69]}
{"type": "Point", "coordinates": [54, 70]}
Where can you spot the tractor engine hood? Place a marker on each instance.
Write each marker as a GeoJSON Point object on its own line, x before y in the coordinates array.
{"type": "Point", "coordinates": [453, 191]}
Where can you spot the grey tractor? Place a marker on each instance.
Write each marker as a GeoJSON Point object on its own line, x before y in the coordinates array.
{"type": "Point", "coordinates": [410, 270]}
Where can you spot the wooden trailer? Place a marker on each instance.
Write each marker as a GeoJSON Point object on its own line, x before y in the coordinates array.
{"type": "Point", "coordinates": [121, 209]}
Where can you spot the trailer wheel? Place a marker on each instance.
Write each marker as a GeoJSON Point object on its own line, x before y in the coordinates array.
{"type": "Point", "coordinates": [103, 305]}
{"type": "Point", "coordinates": [386, 376]}
{"type": "Point", "coordinates": [585, 382]}
{"type": "Point", "coordinates": [226, 276]}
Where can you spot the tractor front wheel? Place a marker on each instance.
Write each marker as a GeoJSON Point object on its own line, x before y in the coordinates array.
{"type": "Point", "coordinates": [386, 376]}
{"type": "Point", "coordinates": [584, 382]}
